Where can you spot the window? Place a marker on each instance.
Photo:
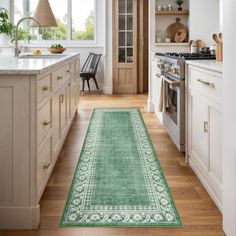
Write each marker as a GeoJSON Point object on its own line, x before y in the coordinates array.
{"type": "Point", "coordinates": [75, 19]}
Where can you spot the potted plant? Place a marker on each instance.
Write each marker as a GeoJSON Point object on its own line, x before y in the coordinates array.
{"type": "Point", "coordinates": [179, 3]}
{"type": "Point", "coordinates": [7, 29]}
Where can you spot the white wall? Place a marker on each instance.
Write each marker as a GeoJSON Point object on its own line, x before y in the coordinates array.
{"type": "Point", "coordinates": [204, 19]}
{"type": "Point", "coordinates": [229, 118]}
{"type": "Point", "coordinates": [5, 4]}
{"type": "Point", "coordinates": [221, 14]}
{"type": "Point", "coordinates": [107, 89]}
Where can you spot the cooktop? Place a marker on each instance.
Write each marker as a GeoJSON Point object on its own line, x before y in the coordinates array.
{"type": "Point", "coordinates": [188, 56]}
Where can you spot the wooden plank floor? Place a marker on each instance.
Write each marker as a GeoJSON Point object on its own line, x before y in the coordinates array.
{"type": "Point", "coordinates": [199, 214]}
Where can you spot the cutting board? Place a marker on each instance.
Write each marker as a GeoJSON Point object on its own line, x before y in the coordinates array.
{"type": "Point", "coordinates": [177, 32]}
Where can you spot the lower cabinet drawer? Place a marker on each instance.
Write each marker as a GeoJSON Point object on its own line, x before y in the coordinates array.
{"type": "Point", "coordinates": [206, 84]}
{"type": "Point", "coordinates": [61, 75]}
{"type": "Point", "coordinates": [44, 161]}
{"type": "Point", "coordinates": [44, 121]}
{"type": "Point", "coordinates": [44, 87]}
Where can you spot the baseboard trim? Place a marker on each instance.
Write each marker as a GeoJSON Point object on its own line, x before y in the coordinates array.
{"type": "Point", "coordinates": [206, 185]}
{"type": "Point", "coordinates": [107, 90]}
{"type": "Point", "coordinates": [150, 105]}
{"type": "Point", "coordinates": [19, 217]}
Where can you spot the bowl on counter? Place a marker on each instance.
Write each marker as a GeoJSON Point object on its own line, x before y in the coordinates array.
{"type": "Point", "coordinates": [56, 50]}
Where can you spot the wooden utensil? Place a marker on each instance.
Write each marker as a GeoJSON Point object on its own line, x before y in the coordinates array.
{"type": "Point", "coordinates": [219, 51]}
{"type": "Point", "coordinates": [216, 38]}
{"type": "Point", "coordinates": [221, 37]}
{"type": "Point", "coordinates": [219, 46]}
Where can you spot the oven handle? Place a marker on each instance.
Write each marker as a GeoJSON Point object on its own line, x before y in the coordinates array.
{"type": "Point", "coordinates": [172, 82]}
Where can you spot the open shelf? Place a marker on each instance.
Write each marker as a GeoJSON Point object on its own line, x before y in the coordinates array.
{"type": "Point", "coordinates": [172, 44]}
{"type": "Point", "coordinates": [174, 13]}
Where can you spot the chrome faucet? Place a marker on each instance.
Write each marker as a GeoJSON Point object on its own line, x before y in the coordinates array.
{"type": "Point", "coordinates": [17, 29]}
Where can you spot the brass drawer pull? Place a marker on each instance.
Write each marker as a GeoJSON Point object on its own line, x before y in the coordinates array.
{"type": "Point", "coordinates": [206, 83]}
{"type": "Point", "coordinates": [45, 88]}
{"type": "Point", "coordinates": [61, 98]}
{"type": "Point", "coordinates": [46, 123]}
{"type": "Point", "coordinates": [59, 77]}
{"type": "Point", "coordinates": [68, 71]}
{"type": "Point", "coordinates": [205, 126]}
{"type": "Point", "coordinates": [46, 166]}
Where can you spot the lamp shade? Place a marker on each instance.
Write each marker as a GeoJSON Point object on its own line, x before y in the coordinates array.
{"type": "Point", "coordinates": [44, 15]}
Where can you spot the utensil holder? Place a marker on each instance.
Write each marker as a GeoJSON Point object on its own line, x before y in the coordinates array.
{"type": "Point", "coordinates": [219, 52]}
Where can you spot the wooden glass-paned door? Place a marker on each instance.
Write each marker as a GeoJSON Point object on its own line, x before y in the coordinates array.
{"type": "Point", "coordinates": [126, 31]}
{"type": "Point", "coordinates": [124, 46]}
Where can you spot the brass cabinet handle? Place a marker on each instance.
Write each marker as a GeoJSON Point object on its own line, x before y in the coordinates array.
{"type": "Point", "coordinates": [205, 126]}
{"type": "Point", "coordinates": [46, 166]}
{"type": "Point", "coordinates": [206, 83]}
{"type": "Point", "coordinates": [46, 123]}
{"type": "Point", "coordinates": [59, 77]}
{"type": "Point", "coordinates": [45, 88]}
{"type": "Point", "coordinates": [61, 98]}
{"type": "Point", "coordinates": [68, 71]}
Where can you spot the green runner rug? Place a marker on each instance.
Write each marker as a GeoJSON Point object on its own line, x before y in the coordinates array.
{"type": "Point", "coordinates": [118, 181]}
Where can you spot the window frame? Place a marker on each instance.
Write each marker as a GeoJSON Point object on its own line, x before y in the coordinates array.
{"type": "Point", "coordinates": [68, 41]}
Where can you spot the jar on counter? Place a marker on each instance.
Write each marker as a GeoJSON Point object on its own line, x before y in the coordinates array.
{"type": "Point", "coordinates": [193, 48]}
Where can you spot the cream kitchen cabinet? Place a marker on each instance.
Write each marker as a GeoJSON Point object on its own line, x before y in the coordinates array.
{"type": "Point", "coordinates": [204, 128]}
{"type": "Point", "coordinates": [156, 88]}
{"type": "Point", "coordinates": [59, 118]}
{"type": "Point", "coordinates": [37, 108]}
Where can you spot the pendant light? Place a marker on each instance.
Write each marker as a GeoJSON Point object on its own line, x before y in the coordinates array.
{"type": "Point", "coordinates": [44, 15]}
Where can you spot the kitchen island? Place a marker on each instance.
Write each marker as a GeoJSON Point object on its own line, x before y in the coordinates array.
{"type": "Point", "coordinates": [38, 102]}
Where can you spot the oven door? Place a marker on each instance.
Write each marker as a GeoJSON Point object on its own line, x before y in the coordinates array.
{"type": "Point", "coordinates": [172, 99]}
{"type": "Point", "coordinates": [174, 114]}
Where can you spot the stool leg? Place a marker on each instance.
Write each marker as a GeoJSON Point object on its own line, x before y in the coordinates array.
{"type": "Point", "coordinates": [88, 84]}
{"type": "Point", "coordinates": [94, 78]}
{"type": "Point", "coordinates": [83, 86]}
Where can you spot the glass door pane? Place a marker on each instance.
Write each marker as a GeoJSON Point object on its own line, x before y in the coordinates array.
{"type": "Point", "coordinates": [129, 36]}
{"type": "Point", "coordinates": [129, 6]}
{"type": "Point", "coordinates": [125, 29]}
{"type": "Point", "coordinates": [122, 39]}
{"type": "Point", "coordinates": [129, 22]}
{"type": "Point", "coordinates": [122, 55]}
{"type": "Point", "coordinates": [122, 6]}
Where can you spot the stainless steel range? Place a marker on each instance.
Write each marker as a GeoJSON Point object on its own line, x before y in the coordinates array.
{"type": "Point", "coordinates": [171, 67]}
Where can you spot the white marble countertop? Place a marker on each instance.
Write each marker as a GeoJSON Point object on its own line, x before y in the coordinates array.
{"type": "Point", "coordinates": [31, 66]}
{"type": "Point", "coordinates": [207, 64]}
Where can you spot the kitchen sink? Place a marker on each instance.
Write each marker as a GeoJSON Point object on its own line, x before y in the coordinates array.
{"type": "Point", "coordinates": [43, 56]}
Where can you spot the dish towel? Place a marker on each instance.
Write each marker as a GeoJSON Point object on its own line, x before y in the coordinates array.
{"type": "Point", "coordinates": [164, 101]}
